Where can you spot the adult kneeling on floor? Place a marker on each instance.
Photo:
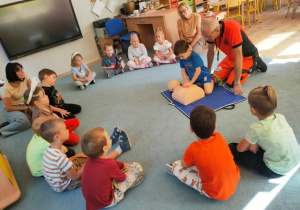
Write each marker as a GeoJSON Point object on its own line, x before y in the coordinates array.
{"type": "Point", "coordinates": [242, 57]}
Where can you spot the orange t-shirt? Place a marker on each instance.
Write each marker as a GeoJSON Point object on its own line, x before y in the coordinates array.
{"type": "Point", "coordinates": [232, 36]}
{"type": "Point", "coordinates": [217, 169]}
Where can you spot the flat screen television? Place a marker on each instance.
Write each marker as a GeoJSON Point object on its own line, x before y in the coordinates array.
{"type": "Point", "coordinates": [27, 27]}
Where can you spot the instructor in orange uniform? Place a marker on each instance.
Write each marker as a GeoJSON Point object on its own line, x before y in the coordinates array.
{"type": "Point", "coordinates": [241, 55]}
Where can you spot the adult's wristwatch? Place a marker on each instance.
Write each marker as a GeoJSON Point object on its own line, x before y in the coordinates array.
{"type": "Point", "coordinates": [236, 83]}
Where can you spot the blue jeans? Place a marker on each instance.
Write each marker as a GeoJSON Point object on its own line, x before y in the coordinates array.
{"type": "Point", "coordinates": [18, 121]}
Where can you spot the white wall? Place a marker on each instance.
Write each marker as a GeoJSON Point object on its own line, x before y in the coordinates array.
{"type": "Point", "coordinates": [58, 58]}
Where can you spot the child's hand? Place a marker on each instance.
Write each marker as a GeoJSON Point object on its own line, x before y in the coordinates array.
{"type": "Point", "coordinates": [253, 148]}
{"type": "Point", "coordinates": [122, 64]}
{"type": "Point", "coordinates": [136, 61]}
{"type": "Point", "coordinates": [126, 167]}
{"type": "Point", "coordinates": [64, 113]}
{"type": "Point", "coordinates": [186, 84]}
{"type": "Point", "coordinates": [161, 57]}
{"type": "Point", "coordinates": [86, 79]}
{"type": "Point", "coordinates": [64, 149]}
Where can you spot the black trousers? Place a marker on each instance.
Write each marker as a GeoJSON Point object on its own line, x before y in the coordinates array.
{"type": "Point", "coordinates": [253, 161]}
{"type": "Point", "coordinates": [72, 108]}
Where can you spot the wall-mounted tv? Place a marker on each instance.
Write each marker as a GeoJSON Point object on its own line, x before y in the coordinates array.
{"type": "Point", "coordinates": [27, 27]}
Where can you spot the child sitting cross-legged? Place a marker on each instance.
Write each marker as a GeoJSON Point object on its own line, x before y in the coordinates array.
{"type": "Point", "coordinates": [192, 67]}
{"type": "Point", "coordinates": [207, 164]}
{"type": "Point", "coordinates": [61, 173]}
{"type": "Point", "coordinates": [162, 48]}
{"type": "Point", "coordinates": [81, 73]}
{"type": "Point", "coordinates": [48, 79]}
{"type": "Point", "coordinates": [36, 98]}
{"type": "Point", "coordinates": [37, 146]}
{"type": "Point", "coordinates": [270, 146]}
{"type": "Point", "coordinates": [137, 54]}
{"type": "Point", "coordinates": [104, 181]}
{"type": "Point", "coordinates": [112, 64]}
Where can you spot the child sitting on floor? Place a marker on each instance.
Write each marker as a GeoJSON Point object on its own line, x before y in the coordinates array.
{"type": "Point", "coordinates": [207, 164]}
{"type": "Point", "coordinates": [37, 146]}
{"type": "Point", "coordinates": [163, 49]}
{"type": "Point", "coordinates": [48, 79]}
{"type": "Point", "coordinates": [39, 102]}
{"type": "Point", "coordinates": [270, 146]}
{"type": "Point", "coordinates": [192, 67]}
{"type": "Point", "coordinates": [81, 73]}
{"type": "Point", "coordinates": [104, 180]}
{"type": "Point", "coordinates": [61, 173]}
{"type": "Point", "coordinates": [137, 54]}
{"type": "Point", "coordinates": [112, 64]}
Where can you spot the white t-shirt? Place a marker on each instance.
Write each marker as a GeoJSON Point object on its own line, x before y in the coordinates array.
{"type": "Point", "coordinates": [164, 48]}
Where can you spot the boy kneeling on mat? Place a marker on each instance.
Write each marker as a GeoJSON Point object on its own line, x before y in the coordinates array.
{"type": "Point", "coordinates": [192, 67]}
{"type": "Point", "coordinates": [207, 164]}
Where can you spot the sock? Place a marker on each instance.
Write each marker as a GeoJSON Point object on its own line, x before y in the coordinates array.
{"type": "Point", "coordinates": [119, 150]}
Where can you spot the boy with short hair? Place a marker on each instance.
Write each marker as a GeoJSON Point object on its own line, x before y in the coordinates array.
{"type": "Point", "coordinates": [48, 79]}
{"type": "Point", "coordinates": [59, 170]}
{"type": "Point", "coordinates": [37, 146]}
{"type": "Point", "coordinates": [104, 180]}
{"type": "Point", "coordinates": [192, 67]}
{"type": "Point", "coordinates": [69, 169]}
{"type": "Point", "coordinates": [207, 164]}
{"type": "Point", "coordinates": [112, 64]}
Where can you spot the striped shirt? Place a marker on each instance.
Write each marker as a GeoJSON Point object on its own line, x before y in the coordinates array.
{"type": "Point", "coordinates": [55, 165]}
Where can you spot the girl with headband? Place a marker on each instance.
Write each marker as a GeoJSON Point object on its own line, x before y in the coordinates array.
{"type": "Point", "coordinates": [81, 73]}
{"type": "Point", "coordinates": [36, 98]}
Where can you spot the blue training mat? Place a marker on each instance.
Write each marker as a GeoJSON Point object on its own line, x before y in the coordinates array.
{"type": "Point", "coordinates": [220, 98]}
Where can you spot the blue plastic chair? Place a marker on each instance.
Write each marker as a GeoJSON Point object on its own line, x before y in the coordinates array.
{"type": "Point", "coordinates": [115, 27]}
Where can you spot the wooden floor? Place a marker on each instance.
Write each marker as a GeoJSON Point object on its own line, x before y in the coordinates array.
{"type": "Point", "coordinates": [276, 37]}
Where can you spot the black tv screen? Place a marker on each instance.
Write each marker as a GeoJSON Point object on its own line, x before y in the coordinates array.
{"type": "Point", "coordinates": [27, 27]}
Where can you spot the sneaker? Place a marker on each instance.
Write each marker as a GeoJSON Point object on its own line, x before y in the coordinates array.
{"type": "Point", "coordinates": [157, 63]}
{"type": "Point", "coordinates": [149, 65]}
{"type": "Point", "coordinates": [261, 66]}
{"type": "Point", "coordinates": [115, 135]}
{"type": "Point", "coordinates": [124, 141]}
{"type": "Point", "coordinates": [217, 80]}
{"type": "Point", "coordinates": [122, 70]}
{"type": "Point", "coordinates": [173, 61]}
{"type": "Point", "coordinates": [138, 180]}
{"type": "Point", "coordinates": [110, 75]}
{"type": "Point", "coordinates": [93, 81]}
{"type": "Point", "coordinates": [131, 69]}
{"type": "Point", "coordinates": [169, 169]}
{"type": "Point", "coordinates": [82, 87]}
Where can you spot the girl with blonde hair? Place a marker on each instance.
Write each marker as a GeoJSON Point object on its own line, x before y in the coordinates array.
{"type": "Point", "coordinates": [163, 49]}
